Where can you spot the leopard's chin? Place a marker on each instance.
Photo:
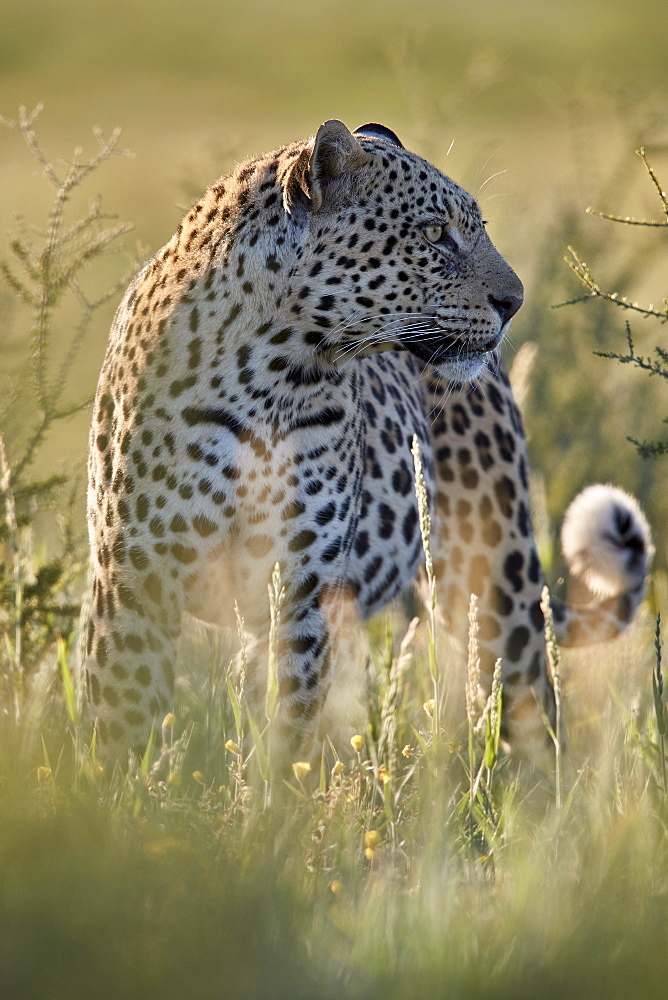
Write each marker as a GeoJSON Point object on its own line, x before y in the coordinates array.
{"type": "Point", "coordinates": [466, 368]}
{"type": "Point", "coordinates": [453, 360]}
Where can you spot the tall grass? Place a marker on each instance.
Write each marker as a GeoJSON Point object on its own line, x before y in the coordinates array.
{"type": "Point", "coordinates": [409, 867]}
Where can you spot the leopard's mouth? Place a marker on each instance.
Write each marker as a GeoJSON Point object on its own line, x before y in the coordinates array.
{"type": "Point", "coordinates": [435, 350]}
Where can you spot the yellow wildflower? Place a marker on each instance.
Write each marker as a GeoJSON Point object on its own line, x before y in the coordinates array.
{"type": "Point", "coordinates": [357, 742]}
{"type": "Point", "coordinates": [338, 767]}
{"type": "Point", "coordinates": [232, 747]}
{"type": "Point", "coordinates": [407, 751]}
{"type": "Point", "coordinates": [371, 839]}
{"type": "Point", "coordinates": [429, 707]}
{"type": "Point", "coordinates": [300, 769]}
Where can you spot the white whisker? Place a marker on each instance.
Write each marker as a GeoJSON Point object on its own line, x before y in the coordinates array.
{"type": "Point", "coordinates": [482, 167]}
{"type": "Point", "coordinates": [499, 194]}
{"type": "Point", "coordinates": [499, 173]}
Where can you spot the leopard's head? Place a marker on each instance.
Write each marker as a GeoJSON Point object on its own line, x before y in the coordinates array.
{"type": "Point", "coordinates": [394, 255]}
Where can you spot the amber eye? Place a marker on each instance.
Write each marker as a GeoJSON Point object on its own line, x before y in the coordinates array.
{"type": "Point", "coordinates": [439, 236]}
{"type": "Point", "coordinates": [433, 233]}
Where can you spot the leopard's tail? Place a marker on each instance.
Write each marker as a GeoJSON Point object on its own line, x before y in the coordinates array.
{"type": "Point", "coordinates": [607, 543]}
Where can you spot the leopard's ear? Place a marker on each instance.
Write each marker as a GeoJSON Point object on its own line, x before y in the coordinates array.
{"type": "Point", "coordinates": [322, 170]}
{"type": "Point", "coordinates": [375, 131]}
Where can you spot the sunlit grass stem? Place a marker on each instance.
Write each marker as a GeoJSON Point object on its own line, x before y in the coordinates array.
{"type": "Point", "coordinates": [387, 748]}
{"type": "Point", "coordinates": [659, 703]}
{"type": "Point", "coordinates": [554, 662]}
{"type": "Point", "coordinates": [13, 647]}
{"type": "Point", "coordinates": [425, 532]}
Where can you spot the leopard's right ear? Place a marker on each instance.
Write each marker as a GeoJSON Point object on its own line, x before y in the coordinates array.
{"type": "Point", "coordinates": [322, 171]}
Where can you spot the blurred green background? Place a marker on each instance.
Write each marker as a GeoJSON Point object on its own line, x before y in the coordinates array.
{"type": "Point", "coordinates": [535, 107]}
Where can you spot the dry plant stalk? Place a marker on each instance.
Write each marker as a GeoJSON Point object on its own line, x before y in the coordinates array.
{"type": "Point", "coordinates": [45, 267]}
{"type": "Point", "coordinates": [276, 598]}
{"type": "Point", "coordinates": [473, 666]}
{"type": "Point", "coordinates": [554, 663]}
{"type": "Point", "coordinates": [387, 748]}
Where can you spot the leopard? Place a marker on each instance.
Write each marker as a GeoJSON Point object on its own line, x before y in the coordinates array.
{"type": "Point", "coordinates": [322, 315]}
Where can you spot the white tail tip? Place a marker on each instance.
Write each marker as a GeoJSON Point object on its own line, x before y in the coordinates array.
{"type": "Point", "coordinates": [606, 540]}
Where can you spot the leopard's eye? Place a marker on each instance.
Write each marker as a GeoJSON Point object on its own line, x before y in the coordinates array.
{"type": "Point", "coordinates": [433, 233]}
{"type": "Point", "coordinates": [439, 236]}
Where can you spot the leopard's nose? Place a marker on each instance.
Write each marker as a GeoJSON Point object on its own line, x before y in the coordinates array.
{"type": "Point", "coordinates": [507, 307]}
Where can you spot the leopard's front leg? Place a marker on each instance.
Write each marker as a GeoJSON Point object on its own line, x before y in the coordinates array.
{"type": "Point", "coordinates": [134, 621]}
{"type": "Point", "coordinates": [486, 547]}
{"type": "Point", "coordinates": [291, 666]}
